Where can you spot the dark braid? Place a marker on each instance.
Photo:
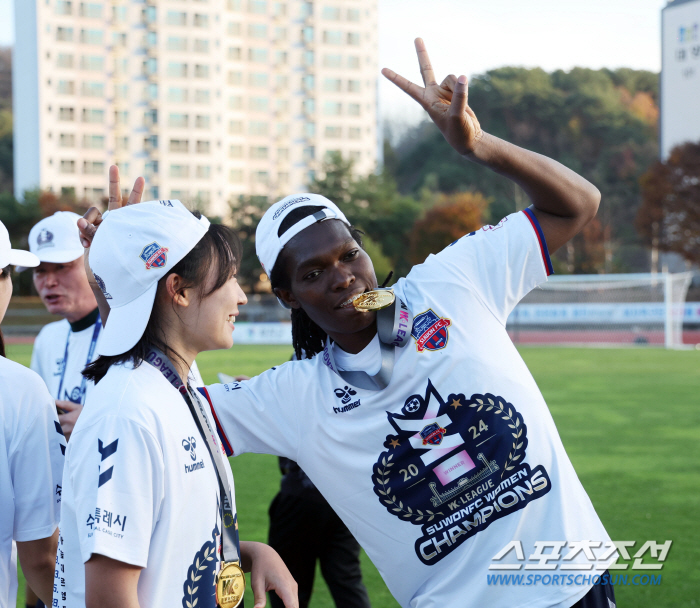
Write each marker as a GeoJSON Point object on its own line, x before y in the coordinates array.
{"type": "Point", "coordinates": [308, 338]}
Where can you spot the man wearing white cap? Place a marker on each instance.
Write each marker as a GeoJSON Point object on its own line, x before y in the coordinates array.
{"type": "Point", "coordinates": [31, 461]}
{"type": "Point", "coordinates": [63, 349]}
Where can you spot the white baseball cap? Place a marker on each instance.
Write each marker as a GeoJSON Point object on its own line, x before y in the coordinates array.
{"type": "Point", "coordinates": [16, 257]}
{"type": "Point", "coordinates": [269, 242]}
{"type": "Point", "coordinates": [134, 247]}
{"type": "Point", "coordinates": [56, 238]}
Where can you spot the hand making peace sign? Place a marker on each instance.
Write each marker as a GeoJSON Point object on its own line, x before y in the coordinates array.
{"type": "Point", "coordinates": [445, 103]}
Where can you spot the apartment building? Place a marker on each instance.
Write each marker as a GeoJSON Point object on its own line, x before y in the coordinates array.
{"type": "Point", "coordinates": [207, 99]}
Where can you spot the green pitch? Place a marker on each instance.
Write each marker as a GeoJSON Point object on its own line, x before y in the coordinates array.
{"type": "Point", "coordinates": [629, 419]}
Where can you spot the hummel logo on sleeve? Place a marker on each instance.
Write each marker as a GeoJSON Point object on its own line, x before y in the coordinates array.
{"type": "Point", "coordinates": [106, 452]}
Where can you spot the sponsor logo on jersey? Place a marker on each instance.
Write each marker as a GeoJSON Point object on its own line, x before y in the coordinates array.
{"type": "Point", "coordinates": [345, 395]}
{"type": "Point", "coordinates": [101, 284]}
{"type": "Point", "coordinates": [190, 444]}
{"type": "Point", "coordinates": [288, 204]}
{"type": "Point", "coordinates": [454, 466]}
{"type": "Point", "coordinates": [154, 255]}
{"type": "Point", "coordinates": [105, 452]}
{"type": "Point", "coordinates": [44, 239]}
{"type": "Point", "coordinates": [430, 331]}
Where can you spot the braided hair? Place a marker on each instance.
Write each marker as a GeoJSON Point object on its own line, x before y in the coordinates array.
{"type": "Point", "coordinates": [308, 338]}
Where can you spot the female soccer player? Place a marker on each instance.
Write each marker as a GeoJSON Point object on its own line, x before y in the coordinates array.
{"type": "Point", "coordinates": [148, 515]}
{"type": "Point", "coordinates": [420, 423]}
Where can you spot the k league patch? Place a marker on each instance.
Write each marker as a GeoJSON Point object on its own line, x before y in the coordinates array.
{"type": "Point", "coordinates": [154, 255]}
{"type": "Point", "coordinates": [430, 331]}
{"type": "Point", "coordinates": [454, 466]}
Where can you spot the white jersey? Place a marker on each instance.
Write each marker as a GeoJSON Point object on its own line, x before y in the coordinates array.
{"type": "Point", "coordinates": [458, 456]}
{"type": "Point", "coordinates": [32, 450]}
{"type": "Point", "coordinates": [140, 488]}
{"type": "Point", "coordinates": [64, 374]}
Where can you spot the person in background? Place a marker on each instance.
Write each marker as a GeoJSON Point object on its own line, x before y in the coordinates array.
{"type": "Point", "coordinates": [32, 450]}
{"type": "Point", "coordinates": [305, 529]}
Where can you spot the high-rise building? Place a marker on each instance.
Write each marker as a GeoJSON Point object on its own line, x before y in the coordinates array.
{"type": "Point", "coordinates": [207, 99]}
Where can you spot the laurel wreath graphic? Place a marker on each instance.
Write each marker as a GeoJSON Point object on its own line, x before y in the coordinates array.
{"type": "Point", "coordinates": [514, 423]}
{"type": "Point", "coordinates": [198, 566]}
{"type": "Point", "coordinates": [397, 506]}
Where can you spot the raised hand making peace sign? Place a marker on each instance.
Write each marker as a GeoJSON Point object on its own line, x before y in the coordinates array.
{"type": "Point", "coordinates": [446, 103]}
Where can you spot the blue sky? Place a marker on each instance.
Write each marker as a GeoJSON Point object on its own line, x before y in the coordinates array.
{"type": "Point", "coordinates": [471, 36]}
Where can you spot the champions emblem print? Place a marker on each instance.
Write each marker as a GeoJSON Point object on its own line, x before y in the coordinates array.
{"type": "Point", "coordinates": [430, 331]}
{"type": "Point", "coordinates": [454, 466]}
{"type": "Point", "coordinates": [154, 255]}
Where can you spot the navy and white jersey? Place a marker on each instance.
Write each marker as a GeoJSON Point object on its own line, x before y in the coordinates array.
{"type": "Point", "coordinates": [140, 488]}
{"type": "Point", "coordinates": [457, 456]}
{"type": "Point", "coordinates": [32, 448]}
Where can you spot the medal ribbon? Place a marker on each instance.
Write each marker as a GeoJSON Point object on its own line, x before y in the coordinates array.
{"type": "Point", "coordinates": [394, 329]}
{"type": "Point", "coordinates": [229, 529]}
{"type": "Point", "coordinates": [91, 352]}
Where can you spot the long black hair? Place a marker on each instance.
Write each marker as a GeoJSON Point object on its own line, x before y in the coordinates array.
{"type": "Point", "coordinates": [308, 338]}
{"type": "Point", "coordinates": [4, 276]}
{"type": "Point", "coordinates": [218, 251]}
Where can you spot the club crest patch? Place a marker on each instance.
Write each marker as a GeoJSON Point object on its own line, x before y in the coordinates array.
{"type": "Point", "coordinates": [44, 239]}
{"type": "Point", "coordinates": [154, 255]}
{"type": "Point", "coordinates": [454, 466]}
{"type": "Point", "coordinates": [430, 331]}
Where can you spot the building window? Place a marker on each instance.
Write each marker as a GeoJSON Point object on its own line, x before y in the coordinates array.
{"type": "Point", "coordinates": [235, 127]}
{"type": "Point", "coordinates": [282, 129]}
{"type": "Point", "coordinates": [261, 177]}
{"type": "Point", "coordinates": [93, 89]}
{"type": "Point", "coordinates": [177, 95]}
{"type": "Point", "coordinates": [282, 105]}
{"type": "Point", "coordinates": [257, 7]}
{"type": "Point", "coordinates": [332, 108]}
{"type": "Point", "coordinates": [309, 106]}
{"type": "Point", "coordinates": [151, 167]}
{"type": "Point", "coordinates": [203, 197]}
{"type": "Point", "coordinates": [353, 109]}
{"type": "Point", "coordinates": [94, 142]}
{"type": "Point", "coordinates": [331, 13]}
{"type": "Point", "coordinates": [179, 171]}
{"type": "Point", "coordinates": [332, 61]}
{"type": "Point", "coordinates": [333, 37]}
{"type": "Point", "coordinates": [354, 133]}
{"type": "Point", "coordinates": [282, 154]}
{"type": "Point", "coordinates": [257, 30]}
{"type": "Point", "coordinates": [353, 86]}
{"type": "Point", "coordinates": [66, 114]}
{"type": "Point", "coordinates": [283, 178]}
{"type": "Point", "coordinates": [178, 121]}
{"type": "Point", "coordinates": [121, 117]}
{"type": "Point", "coordinates": [150, 143]}
{"type": "Point", "coordinates": [353, 14]}
{"type": "Point", "coordinates": [92, 63]}
{"type": "Point", "coordinates": [333, 132]}
{"type": "Point", "coordinates": [309, 153]}
{"type": "Point", "coordinates": [91, 37]}
{"type": "Point", "coordinates": [176, 43]}
{"type": "Point", "coordinates": [201, 46]}
{"type": "Point", "coordinates": [256, 127]}
{"type": "Point", "coordinates": [202, 96]}
{"type": "Point", "coordinates": [176, 18]}
{"type": "Point", "coordinates": [201, 71]}
{"type": "Point", "coordinates": [355, 155]}
{"type": "Point", "coordinates": [64, 34]}
{"type": "Point", "coordinates": [258, 152]}
{"type": "Point", "coordinates": [119, 39]}
{"type": "Point", "coordinates": [203, 171]}
{"type": "Point", "coordinates": [235, 78]}
{"type": "Point", "coordinates": [119, 14]}
{"type": "Point", "coordinates": [63, 7]}
{"type": "Point", "coordinates": [235, 102]}
{"type": "Point", "coordinates": [307, 34]}
{"type": "Point", "coordinates": [308, 82]}
{"type": "Point", "coordinates": [353, 39]}
{"type": "Point", "coordinates": [280, 57]}
{"type": "Point", "coordinates": [178, 145]}
{"type": "Point", "coordinates": [234, 29]}
{"type": "Point", "coordinates": [353, 62]}
{"type": "Point", "coordinates": [67, 166]}
{"type": "Point", "coordinates": [201, 21]}
{"type": "Point", "coordinates": [203, 147]}
{"type": "Point", "coordinates": [235, 151]}
{"type": "Point", "coordinates": [179, 195]}
{"type": "Point", "coordinates": [66, 140]}
{"type": "Point", "coordinates": [93, 116]}
{"type": "Point", "coordinates": [177, 69]}
{"type": "Point", "coordinates": [257, 55]}
{"type": "Point", "coordinates": [92, 10]}
{"type": "Point", "coordinates": [282, 81]}
{"type": "Point", "coordinates": [235, 5]}
{"type": "Point", "coordinates": [280, 34]}
{"type": "Point", "coordinates": [202, 122]}
{"type": "Point", "coordinates": [122, 143]}
{"type": "Point", "coordinates": [64, 60]}
{"type": "Point", "coordinates": [332, 84]}
{"type": "Point", "coordinates": [234, 53]}
{"type": "Point", "coordinates": [310, 129]}
{"type": "Point", "coordinates": [235, 176]}
{"type": "Point", "coordinates": [258, 79]}
{"type": "Point", "coordinates": [65, 87]}
{"type": "Point", "coordinates": [93, 167]}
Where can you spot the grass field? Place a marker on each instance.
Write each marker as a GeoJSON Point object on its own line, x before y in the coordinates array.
{"type": "Point", "coordinates": [630, 421]}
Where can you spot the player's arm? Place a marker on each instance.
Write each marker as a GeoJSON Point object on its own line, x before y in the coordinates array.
{"type": "Point", "coordinates": [38, 561]}
{"type": "Point", "coordinates": [110, 583]}
{"type": "Point", "coordinates": [563, 201]}
{"type": "Point", "coordinates": [268, 573]}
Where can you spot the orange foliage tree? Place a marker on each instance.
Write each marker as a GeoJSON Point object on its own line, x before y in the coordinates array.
{"type": "Point", "coordinates": [453, 216]}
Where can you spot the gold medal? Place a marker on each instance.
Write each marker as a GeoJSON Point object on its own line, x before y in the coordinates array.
{"type": "Point", "coordinates": [230, 585]}
{"type": "Point", "coordinates": [374, 300]}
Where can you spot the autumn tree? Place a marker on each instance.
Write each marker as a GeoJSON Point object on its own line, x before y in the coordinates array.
{"type": "Point", "coordinates": [669, 217]}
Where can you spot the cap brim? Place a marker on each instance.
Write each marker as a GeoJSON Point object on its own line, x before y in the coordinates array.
{"type": "Point", "coordinates": [62, 256]}
{"type": "Point", "coordinates": [126, 324]}
{"type": "Point", "coordinates": [22, 259]}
